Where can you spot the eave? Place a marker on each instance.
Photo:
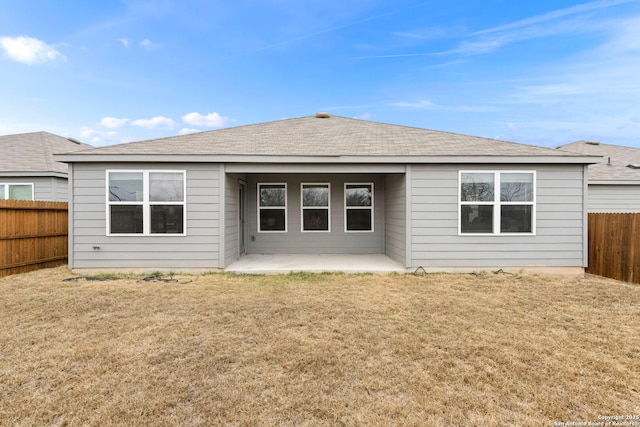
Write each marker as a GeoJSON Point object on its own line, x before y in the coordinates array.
{"type": "Point", "coordinates": [34, 173]}
{"type": "Point", "coordinates": [211, 158]}
{"type": "Point", "coordinates": [613, 182]}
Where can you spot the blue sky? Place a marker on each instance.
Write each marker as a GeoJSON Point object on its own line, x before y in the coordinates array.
{"type": "Point", "coordinates": [541, 72]}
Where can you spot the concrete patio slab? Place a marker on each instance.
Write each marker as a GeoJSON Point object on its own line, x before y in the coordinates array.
{"type": "Point", "coordinates": [285, 263]}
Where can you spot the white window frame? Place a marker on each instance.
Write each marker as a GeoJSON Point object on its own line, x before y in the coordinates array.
{"type": "Point", "coordinates": [6, 186]}
{"type": "Point", "coordinates": [303, 207]}
{"type": "Point", "coordinates": [371, 208]}
{"type": "Point", "coordinates": [285, 207]}
{"type": "Point", "coordinates": [146, 203]}
{"type": "Point", "coordinates": [497, 203]}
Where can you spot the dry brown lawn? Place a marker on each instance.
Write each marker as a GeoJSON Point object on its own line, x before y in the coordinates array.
{"type": "Point", "coordinates": [317, 349]}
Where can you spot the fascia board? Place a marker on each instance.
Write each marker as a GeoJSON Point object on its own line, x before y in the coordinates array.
{"type": "Point", "coordinates": [192, 158]}
{"type": "Point", "coordinates": [34, 173]}
{"type": "Point", "coordinates": [610, 182]}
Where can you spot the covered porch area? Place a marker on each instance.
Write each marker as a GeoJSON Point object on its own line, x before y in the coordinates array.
{"type": "Point", "coordinates": [285, 217]}
{"type": "Point", "coordinates": [316, 263]}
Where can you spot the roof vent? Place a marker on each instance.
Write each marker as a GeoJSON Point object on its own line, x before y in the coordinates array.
{"type": "Point", "coordinates": [75, 141]}
{"type": "Point", "coordinates": [322, 115]}
{"type": "Point", "coordinates": [592, 142]}
{"type": "Point", "coordinates": [634, 166]}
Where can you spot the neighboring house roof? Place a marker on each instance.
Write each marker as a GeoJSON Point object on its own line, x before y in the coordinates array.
{"type": "Point", "coordinates": [328, 139]}
{"type": "Point", "coordinates": [30, 154]}
{"type": "Point", "coordinates": [621, 164]}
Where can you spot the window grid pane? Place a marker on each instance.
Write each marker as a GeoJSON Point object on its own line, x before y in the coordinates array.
{"type": "Point", "coordinates": [516, 187]}
{"type": "Point", "coordinates": [477, 219]}
{"type": "Point", "coordinates": [126, 186]}
{"type": "Point", "coordinates": [272, 195]}
{"type": "Point", "coordinates": [166, 187]}
{"type": "Point", "coordinates": [20, 192]}
{"type": "Point", "coordinates": [477, 187]}
{"type": "Point", "coordinates": [167, 219]}
{"type": "Point", "coordinates": [359, 195]}
{"type": "Point", "coordinates": [315, 220]}
{"type": "Point", "coordinates": [315, 195]}
{"type": "Point", "coordinates": [272, 220]}
{"type": "Point", "coordinates": [126, 219]}
{"type": "Point", "coordinates": [516, 219]}
{"type": "Point", "coordinates": [359, 220]}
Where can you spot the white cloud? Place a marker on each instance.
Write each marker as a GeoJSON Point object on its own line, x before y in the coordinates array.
{"type": "Point", "coordinates": [95, 137]}
{"type": "Point", "coordinates": [423, 103]}
{"type": "Point", "coordinates": [363, 116]}
{"type": "Point", "coordinates": [577, 9]}
{"type": "Point", "coordinates": [146, 44]}
{"type": "Point", "coordinates": [154, 122]}
{"type": "Point", "coordinates": [113, 123]}
{"type": "Point", "coordinates": [187, 131]}
{"type": "Point", "coordinates": [87, 132]}
{"type": "Point", "coordinates": [29, 50]}
{"type": "Point", "coordinates": [211, 120]}
{"type": "Point", "coordinates": [125, 42]}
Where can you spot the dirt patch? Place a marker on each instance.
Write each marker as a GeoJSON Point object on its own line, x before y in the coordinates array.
{"type": "Point", "coordinates": [317, 349]}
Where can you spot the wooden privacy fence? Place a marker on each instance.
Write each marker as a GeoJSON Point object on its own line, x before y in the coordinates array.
{"type": "Point", "coordinates": [33, 235]}
{"type": "Point", "coordinates": [614, 246]}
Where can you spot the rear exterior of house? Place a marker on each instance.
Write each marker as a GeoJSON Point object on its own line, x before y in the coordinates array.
{"type": "Point", "coordinates": [440, 201]}
{"type": "Point", "coordinates": [28, 170]}
{"type": "Point", "coordinates": [614, 184]}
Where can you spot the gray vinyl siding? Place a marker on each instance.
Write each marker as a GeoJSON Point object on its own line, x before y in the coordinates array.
{"type": "Point", "coordinates": [198, 249]}
{"type": "Point", "coordinates": [294, 241]}
{"type": "Point", "coordinates": [614, 198]}
{"type": "Point", "coordinates": [45, 188]}
{"type": "Point", "coordinates": [395, 217]}
{"type": "Point", "coordinates": [434, 221]}
{"type": "Point", "coordinates": [232, 224]}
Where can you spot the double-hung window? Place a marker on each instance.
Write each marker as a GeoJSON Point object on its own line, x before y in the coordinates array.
{"type": "Point", "coordinates": [315, 201]}
{"type": "Point", "coordinates": [272, 208]}
{"type": "Point", "coordinates": [497, 202]}
{"type": "Point", "coordinates": [146, 202]}
{"type": "Point", "coordinates": [358, 207]}
{"type": "Point", "coordinates": [16, 191]}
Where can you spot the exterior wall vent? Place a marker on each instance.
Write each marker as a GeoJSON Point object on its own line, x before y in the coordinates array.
{"type": "Point", "coordinates": [322, 115]}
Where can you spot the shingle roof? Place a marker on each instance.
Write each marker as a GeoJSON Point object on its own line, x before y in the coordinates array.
{"type": "Point", "coordinates": [333, 136]}
{"type": "Point", "coordinates": [33, 152]}
{"type": "Point", "coordinates": [616, 160]}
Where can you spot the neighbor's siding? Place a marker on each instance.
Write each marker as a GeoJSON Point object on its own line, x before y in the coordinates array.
{"type": "Point", "coordinates": [45, 188]}
{"type": "Point", "coordinates": [395, 217]}
{"type": "Point", "coordinates": [614, 198]}
{"type": "Point", "coordinates": [198, 249]}
{"type": "Point", "coordinates": [296, 242]}
{"type": "Point", "coordinates": [560, 221]}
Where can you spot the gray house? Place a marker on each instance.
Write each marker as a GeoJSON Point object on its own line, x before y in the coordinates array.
{"type": "Point", "coordinates": [327, 185]}
{"type": "Point", "coordinates": [614, 184]}
{"type": "Point", "coordinates": [28, 170]}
